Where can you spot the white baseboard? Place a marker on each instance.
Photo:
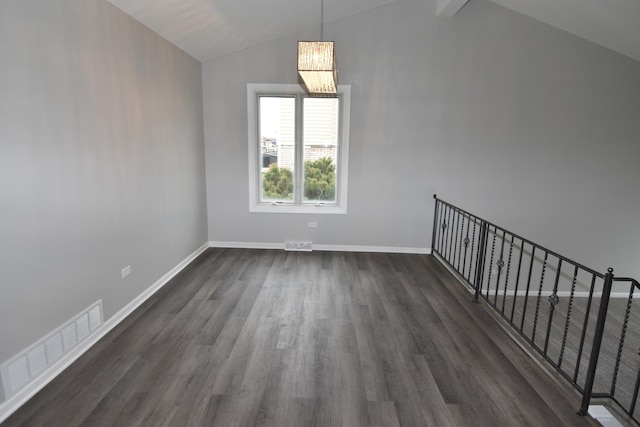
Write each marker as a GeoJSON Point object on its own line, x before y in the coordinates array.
{"type": "Point", "coordinates": [137, 302]}
{"type": "Point", "coordinates": [246, 245]}
{"type": "Point", "coordinates": [381, 249]}
{"type": "Point", "coordinates": [14, 402]}
{"type": "Point", "coordinates": [317, 247]}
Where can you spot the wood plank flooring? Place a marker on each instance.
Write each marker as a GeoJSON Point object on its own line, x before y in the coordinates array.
{"type": "Point", "coordinates": [272, 338]}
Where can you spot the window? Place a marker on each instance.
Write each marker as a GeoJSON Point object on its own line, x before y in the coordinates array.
{"type": "Point", "coordinates": [298, 150]}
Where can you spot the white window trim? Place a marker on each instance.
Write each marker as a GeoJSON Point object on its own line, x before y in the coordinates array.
{"type": "Point", "coordinates": [340, 207]}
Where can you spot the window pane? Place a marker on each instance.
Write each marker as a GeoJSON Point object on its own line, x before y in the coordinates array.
{"type": "Point", "coordinates": [277, 148]}
{"type": "Point", "coordinates": [320, 155]}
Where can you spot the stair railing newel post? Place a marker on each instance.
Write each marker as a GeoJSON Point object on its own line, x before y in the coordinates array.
{"type": "Point", "coordinates": [435, 223]}
{"type": "Point", "coordinates": [482, 249]}
{"type": "Point", "coordinates": [597, 343]}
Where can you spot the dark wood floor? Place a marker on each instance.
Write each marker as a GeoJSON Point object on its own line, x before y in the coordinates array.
{"type": "Point", "coordinates": [266, 337]}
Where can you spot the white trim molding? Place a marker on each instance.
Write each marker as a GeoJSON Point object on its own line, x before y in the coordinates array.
{"type": "Point", "coordinates": [319, 247]}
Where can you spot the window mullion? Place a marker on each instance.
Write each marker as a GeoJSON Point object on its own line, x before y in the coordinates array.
{"type": "Point", "coordinates": [299, 143]}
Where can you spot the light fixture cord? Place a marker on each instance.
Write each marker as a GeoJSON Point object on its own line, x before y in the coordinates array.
{"type": "Point", "coordinates": [321, 20]}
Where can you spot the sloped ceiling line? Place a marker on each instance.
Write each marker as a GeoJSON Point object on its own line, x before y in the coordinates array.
{"type": "Point", "coordinates": [207, 29]}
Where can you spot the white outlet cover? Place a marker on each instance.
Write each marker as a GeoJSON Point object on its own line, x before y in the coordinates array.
{"type": "Point", "coordinates": [126, 271]}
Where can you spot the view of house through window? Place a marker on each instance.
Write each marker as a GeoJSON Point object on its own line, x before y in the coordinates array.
{"type": "Point", "coordinates": [298, 139]}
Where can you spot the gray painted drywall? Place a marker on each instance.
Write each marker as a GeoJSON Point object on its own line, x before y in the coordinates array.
{"type": "Point", "coordinates": [525, 124]}
{"type": "Point", "coordinates": [101, 162]}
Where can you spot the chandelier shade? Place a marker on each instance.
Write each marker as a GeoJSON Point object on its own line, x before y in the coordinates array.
{"type": "Point", "coordinates": [317, 66]}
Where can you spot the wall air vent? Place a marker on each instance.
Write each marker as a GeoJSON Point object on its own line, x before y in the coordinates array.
{"type": "Point", "coordinates": [290, 245]}
{"type": "Point", "coordinates": [36, 360]}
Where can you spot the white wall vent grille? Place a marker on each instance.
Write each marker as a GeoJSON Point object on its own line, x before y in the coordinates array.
{"type": "Point", "coordinates": [37, 360]}
{"type": "Point", "coordinates": [53, 347]}
{"type": "Point", "coordinates": [18, 372]}
{"type": "Point", "coordinates": [290, 245]}
{"type": "Point", "coordinates": [34, 361]}
{"type": "Point", "coordinates": [69, 339]}
{"type": "Point", "coordinates": [82, 327]}
{"type": "Point", "coordinates": [95, 318]}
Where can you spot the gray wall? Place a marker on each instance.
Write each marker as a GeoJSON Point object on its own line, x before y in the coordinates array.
{"type": "Point", "coordinates": [101, 162]}
{"type": "Point", "coordinates": [527, 125]}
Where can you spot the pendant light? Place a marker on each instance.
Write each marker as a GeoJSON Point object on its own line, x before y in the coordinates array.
{"type": "Point", "coordinates": [317, 63]}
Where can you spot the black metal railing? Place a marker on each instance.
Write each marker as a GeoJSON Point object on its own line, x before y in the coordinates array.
{"type": "Point", "coordinates": [561, 308]}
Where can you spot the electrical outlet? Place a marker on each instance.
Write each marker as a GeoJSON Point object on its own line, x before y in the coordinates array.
{"type": "Point", "coordinates": [126, 271]}
{"type": "Point", "coordinates": [313, 224]}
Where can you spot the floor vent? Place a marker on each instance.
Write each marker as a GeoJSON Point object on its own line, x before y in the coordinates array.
{"type": "Point", "coordinates": [298, 246]}
{"type": "Point", "coordinates": [19, 371]}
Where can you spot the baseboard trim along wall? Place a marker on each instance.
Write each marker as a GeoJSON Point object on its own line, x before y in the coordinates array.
{"type": "Point", "coordinates": [317, 247]}
{"type": "Point", "coordinates": [14, 402]}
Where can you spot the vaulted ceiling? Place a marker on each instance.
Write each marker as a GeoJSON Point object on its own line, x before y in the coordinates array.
{"type": "Point", "coordinates": [207, 29]}
{"type": "Point", "coordinates": [614, 24]}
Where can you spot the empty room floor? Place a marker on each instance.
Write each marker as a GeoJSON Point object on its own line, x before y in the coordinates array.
{"type": "Point", "coordinates": [246, 337]}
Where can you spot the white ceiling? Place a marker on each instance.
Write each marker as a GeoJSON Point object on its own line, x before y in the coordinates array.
{"type": "Point", "coordinates": [207, 29]}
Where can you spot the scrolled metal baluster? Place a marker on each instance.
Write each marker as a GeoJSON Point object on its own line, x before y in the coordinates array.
{"type": "Point", "coordinates": [445, 228]}
{"type": "Point", "coordinates": [568, 320]}
{"type": "Point", "coordinates": [466, 248]}
{"type": "Point", "coordinates": [585, 324]}
{"type": "Point", "coordinates": [460, 243]}
{"type": "Point", "coordinates": [535, 318]}
{"type": "Point", "coordinates": [553, 301]}
{"type": "Point", "coordinates": [493, 249]}
{"type": "Point", "coordinates": [500, 265]}
{"type": "Point", "coordinates": [454, 239]}
{"type": "Point", "coordinates": [481, 260]}
{"type": "Point", "coordinates": [506, 277]}
{"type": "Point", "coordinates": [623, 335]}
{"type": "Point", "coordinates": [473, 245]}
{"type": "Point", "coordinates": [517, 285]}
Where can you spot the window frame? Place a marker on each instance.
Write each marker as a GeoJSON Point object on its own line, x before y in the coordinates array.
{"type": "Point", "coordinates": [254, 91]}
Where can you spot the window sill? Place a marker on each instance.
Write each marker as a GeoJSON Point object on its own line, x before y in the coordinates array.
{"type": "Point", "coordinates": [291, 209]}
